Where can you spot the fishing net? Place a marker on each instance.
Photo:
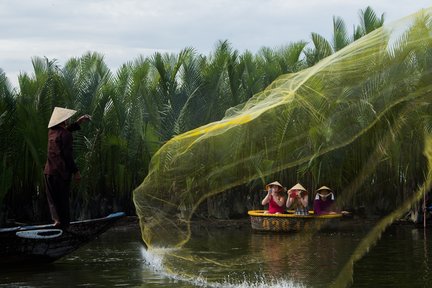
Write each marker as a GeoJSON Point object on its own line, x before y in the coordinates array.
{"type": "Point", "coordinates": [360, 119]}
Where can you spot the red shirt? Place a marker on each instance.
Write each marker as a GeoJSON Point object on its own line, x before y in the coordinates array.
{"type": "Point", "coordinates": [60, 153]}
{"type": "Point", "coordinates": [274, 207]}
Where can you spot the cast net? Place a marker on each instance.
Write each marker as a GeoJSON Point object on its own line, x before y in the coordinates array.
{"type": "Point", "coordinates": [360, 119]}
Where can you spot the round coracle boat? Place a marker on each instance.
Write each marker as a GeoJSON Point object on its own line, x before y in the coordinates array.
{"type": "Point", "coordinates": [289, 222]}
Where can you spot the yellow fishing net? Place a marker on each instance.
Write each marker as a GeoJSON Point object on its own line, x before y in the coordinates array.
{"type": "Point", "coordinates": [353, 114]}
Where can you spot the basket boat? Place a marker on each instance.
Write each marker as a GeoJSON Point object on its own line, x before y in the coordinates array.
{"type": "Point", "coordinates": [290, 222]}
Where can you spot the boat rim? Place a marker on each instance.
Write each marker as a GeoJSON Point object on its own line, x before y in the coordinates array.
{"type": "Point", "coordinates": [291, 214]}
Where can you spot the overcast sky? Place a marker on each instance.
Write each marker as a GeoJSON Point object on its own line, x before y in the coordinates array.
{"type": "Point", "coordinates": [122, 30]}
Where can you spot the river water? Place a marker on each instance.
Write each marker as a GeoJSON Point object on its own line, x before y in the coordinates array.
{"type": "Point", "coordinates": [235, 256]}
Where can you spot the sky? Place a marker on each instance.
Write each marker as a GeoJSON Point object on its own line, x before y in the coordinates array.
{"type": "Point", "coordinates": [122, 30]}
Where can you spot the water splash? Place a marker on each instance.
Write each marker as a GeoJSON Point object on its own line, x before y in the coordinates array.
{"type": "Point", "coordinates": [155, 259]}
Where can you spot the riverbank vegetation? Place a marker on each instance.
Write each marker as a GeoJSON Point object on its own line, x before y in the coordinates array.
{"type": "Point", "coordinates": [146, 102]}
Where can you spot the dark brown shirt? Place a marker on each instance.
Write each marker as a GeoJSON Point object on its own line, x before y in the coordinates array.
{"type": "Point", "coordinates": [60, 153]}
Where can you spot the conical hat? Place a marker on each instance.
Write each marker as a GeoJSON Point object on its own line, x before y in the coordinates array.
{"type": "Point", "coordinates": [317, 196]}
{"type": "Point", "coordinates": [298, 186]}
{"type": "Point", "coordinates": [324, 188]}
{"type": "Point", "coordinates": [59, 115]}
{"type": "Point", "coordinates": [275, 183]}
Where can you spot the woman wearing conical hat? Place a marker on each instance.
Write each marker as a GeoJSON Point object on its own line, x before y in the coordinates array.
{"type": "Point", "coordinates": [324, 201]}
{"type": "Point", "coordinates": [275, 198]}
{"type": "Point", "coordinates": [298, 199]}
{"type": "Point", "coordinates": [60, 165]}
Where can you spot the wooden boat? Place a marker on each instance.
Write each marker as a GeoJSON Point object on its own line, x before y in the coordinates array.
{"type": "Point", "coordinates": [289, 222]}
{"type": "Point", "coordinates": [46, 243]}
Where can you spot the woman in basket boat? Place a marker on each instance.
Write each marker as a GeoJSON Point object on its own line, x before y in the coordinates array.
{"type": "Point", "coordinates": [275, 198]}
{"type": "Point", "coordinates": [298, 199]}
{"type": "Point", "coordinates": [324, 201]}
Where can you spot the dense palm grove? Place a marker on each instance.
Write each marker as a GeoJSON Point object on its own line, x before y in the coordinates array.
{"type": "Point", "coordinates": [134, 111]}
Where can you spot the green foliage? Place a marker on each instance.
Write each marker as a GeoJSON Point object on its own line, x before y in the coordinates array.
{"type": "Point", "coordinates": [135, 111]}
{"type": "Point", "coordinates": [322, 48]}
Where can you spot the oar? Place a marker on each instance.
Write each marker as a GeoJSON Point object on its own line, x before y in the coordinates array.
{"type": "Point", "coordinates": [424, 210]}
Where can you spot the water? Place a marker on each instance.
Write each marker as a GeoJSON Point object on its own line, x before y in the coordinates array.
{"type": "Point", "coordinates": [238, 257]}
{"type": "Point", "coordinates": [402, 258]}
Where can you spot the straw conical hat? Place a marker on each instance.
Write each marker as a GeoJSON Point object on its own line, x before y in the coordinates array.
{"type": "Point", "coordinates": [317, 196]}
{"type": "Point", "coordinates": [324, 188]}
{"type": "Point", "coordinates": [275, 183]}
{"type": "Point", "coordinates": [59, 115]}
{"type": "Point", "coordinates": [298, 186]}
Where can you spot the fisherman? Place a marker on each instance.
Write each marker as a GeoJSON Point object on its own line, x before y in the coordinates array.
{"type": "Point", "coordinates": [424, 212]}
{"type": "Point", "coordinates": [60, 165]}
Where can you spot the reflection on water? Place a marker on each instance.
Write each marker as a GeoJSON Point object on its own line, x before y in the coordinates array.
{"type": "Point", "coordinates": [310, 259]}
{"type": "Point", "coordinates": [400, 259]}
{"type": "Point", "coordinates": [237, 258]}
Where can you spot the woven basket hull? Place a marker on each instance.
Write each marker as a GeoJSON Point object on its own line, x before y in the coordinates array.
{"type": "Point", "coordinates": [289, 222]}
